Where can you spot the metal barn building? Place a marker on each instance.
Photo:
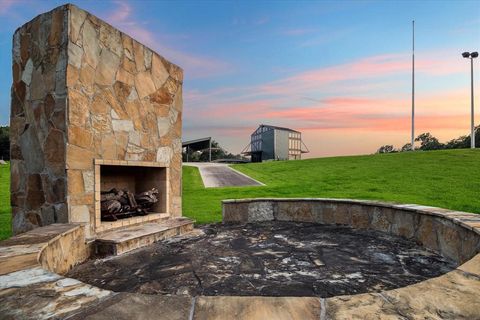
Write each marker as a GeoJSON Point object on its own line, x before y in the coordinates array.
{"type": "Point", "coordinates": [275, 143]}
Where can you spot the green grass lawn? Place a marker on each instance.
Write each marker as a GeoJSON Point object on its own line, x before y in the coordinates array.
{"type": "Point", "coordinates": [5, 213]}
{"type": "Point", "coordinates": [448, 179]}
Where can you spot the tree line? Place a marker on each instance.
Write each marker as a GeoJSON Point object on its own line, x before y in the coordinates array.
{"type": "Point", "coordinates": [429, 142]}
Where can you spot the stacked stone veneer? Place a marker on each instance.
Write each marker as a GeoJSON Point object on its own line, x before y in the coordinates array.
{"type": "Point", "coordinates": [81, 91]}
{"type": "Point", "coordinates": [453, 234]}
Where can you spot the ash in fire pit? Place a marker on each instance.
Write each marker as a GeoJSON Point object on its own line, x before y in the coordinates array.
{"type": "Point", "coordinates": [269, 259]}
{"type": "Point", "coordinates": [117, 204]}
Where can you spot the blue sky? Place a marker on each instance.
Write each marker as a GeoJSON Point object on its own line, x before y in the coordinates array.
{"type": "Point", "coordinates": [338, 71]}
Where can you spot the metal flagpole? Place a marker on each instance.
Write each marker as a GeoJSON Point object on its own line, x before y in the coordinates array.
{"type": "Point", "coordinates": [413, 86]}
{"type": "Point", "coordinates": [471, 56]}
{"type": "Point", "coordinates": [472, 121]}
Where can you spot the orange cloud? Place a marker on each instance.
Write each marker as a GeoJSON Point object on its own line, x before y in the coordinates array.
{"type": "Point", "coordinates": [368, 97]}
{"type": "Point", "coordinates": [379, 120]}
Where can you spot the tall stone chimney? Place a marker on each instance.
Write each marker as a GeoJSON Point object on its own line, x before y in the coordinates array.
{"type": "Point", "coordinates": [91, 109]}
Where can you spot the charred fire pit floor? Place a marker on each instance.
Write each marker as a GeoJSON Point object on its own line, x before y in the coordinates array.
{"type": "Point", "coordinates": [268, 259]}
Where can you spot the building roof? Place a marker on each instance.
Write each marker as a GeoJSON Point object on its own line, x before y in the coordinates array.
{"type": "Point", "coordinates": [197, 144]}
{"type": "Point", "coordinates": [278, 128]}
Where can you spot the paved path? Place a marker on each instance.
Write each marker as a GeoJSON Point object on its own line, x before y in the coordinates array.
{"type": "Point", "coordinates": [216, 175]}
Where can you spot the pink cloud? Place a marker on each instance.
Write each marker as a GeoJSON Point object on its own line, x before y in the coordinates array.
{"type": "Point", "coordinates": [357, 109]}
{"type": "Point", "coordinates": [333, 119]}
{"type": "Point", "coordinates": [361, 69]}
{"type": "Point", "coordinates": [122, 12]}
{"type": "Point", "coordinates": [434, 112]}
{"type": "Point", "coordinates": [424, 123]}
{"type": "Point", "coordinates": [363, 76]}
{"type": "Point", "coordinates": [195, 66]}
{"type": "Point", "coordinates": [367, 97]}
{"type": "Point", "coordinates": [6, 6]}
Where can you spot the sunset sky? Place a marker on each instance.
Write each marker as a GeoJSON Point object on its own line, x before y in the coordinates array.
{"type": "Point", "coordinates": [339, 72]}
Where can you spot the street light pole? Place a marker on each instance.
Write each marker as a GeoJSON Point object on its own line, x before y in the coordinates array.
{"type": "Point", "coordinates": [471, 56]}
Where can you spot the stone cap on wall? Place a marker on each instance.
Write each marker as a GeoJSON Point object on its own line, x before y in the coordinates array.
{"type": "Point", "coordinates": [453, 234]}
{"type": "Point", "coordinates": [467, 220]}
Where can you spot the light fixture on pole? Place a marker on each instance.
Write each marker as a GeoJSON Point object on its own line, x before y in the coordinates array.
{"type": "Point", "coordinates": [471, 56]}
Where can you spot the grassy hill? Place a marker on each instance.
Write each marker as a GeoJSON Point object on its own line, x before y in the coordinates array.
{"type": "Point", "coordinates": [449, 179]}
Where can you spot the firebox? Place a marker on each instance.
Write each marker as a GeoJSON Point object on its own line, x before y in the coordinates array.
{"type": "Point", "coordinates": [135, 177]}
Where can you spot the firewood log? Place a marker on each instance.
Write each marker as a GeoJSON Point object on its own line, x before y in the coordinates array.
{"type": "Point", "coordinates": [116, 203]}
{"type": "Point", "coordinates": [113, 194]}
{"type": "Point", "coordinates": [111, 206]}
{"type": "Point", "coordinates": [131, 199]}
{"type": "Point", "coordinates": [147, 199]}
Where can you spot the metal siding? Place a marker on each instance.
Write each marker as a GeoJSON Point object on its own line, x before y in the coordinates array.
{"type": "Point", "coordinates": [268, 145]}
{"type": "Point", "coordinates": [281, 145]}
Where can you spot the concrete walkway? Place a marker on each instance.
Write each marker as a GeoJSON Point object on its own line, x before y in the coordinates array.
{"type": "Point", "coordinates": [216, 175]}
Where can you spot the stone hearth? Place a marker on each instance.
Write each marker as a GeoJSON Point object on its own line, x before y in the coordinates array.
{"type": "Point", "coordinates": [85, 94]}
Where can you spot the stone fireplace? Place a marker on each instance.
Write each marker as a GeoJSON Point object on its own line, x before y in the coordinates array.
{"type": "Point", "coordinates": [91, 109]}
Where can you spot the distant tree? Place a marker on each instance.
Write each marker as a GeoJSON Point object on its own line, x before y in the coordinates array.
{"type": "Point", "coordinates": [464, 141]}
{"type": "Point", "coordinates": [217, 152]}
{"type": "Point", "coordinates": [193, 156]}
{"type": "Point", "coordinates": [5, 142]}
{"type": "Point", "coordinates": [386, 149]}
{"type": "Point", "coordinates": [459, 143]}
{"type": "Point", "coordinates": [429, 142]}
{"type": "Point", "coordinates": [406, 147]}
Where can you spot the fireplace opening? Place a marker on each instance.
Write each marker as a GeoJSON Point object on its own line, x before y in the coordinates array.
{"type": "Point", "coordinates": [128, 191]}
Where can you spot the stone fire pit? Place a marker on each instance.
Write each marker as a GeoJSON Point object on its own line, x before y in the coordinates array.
{"type": "Point", "coordinates": [272, 259]}
{"type": "Point", "coordinates": [268, 259]}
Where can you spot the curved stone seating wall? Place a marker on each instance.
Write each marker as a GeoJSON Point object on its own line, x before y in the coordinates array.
{"type": "Point", "coordinates": [453, 234]}
{"type": "Point", "coordinates": [56, 248]}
